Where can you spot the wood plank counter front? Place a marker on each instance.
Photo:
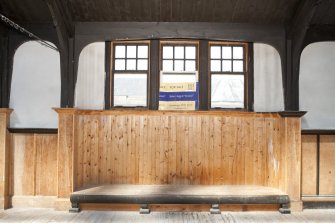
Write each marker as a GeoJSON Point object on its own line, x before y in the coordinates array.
{"type": "Point", "coordinates": [179, 148]}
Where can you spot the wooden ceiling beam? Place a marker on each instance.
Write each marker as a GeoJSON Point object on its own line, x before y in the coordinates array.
{"type": "Point", "coordinates": [63, 23]}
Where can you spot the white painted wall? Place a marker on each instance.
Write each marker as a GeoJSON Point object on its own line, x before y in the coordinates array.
{"type": "Point", "coordinates": [268, 87]}
{"type": "Point", "coordinates": [36, 87]}
{"type": "Point", "coordinates": [317, 85]}
{"type": "Point", "coordinates": [89, 93]}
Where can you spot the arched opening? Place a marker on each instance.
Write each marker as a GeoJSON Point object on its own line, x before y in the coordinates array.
{"type": "Point", "coordinates": [268, 86]}
{"type": "Point", "coordinates": [317, 85]}
{"type": "Point", "coordinates": [35, 86]}
{"type": "Point", "coordinates": [90, 86]}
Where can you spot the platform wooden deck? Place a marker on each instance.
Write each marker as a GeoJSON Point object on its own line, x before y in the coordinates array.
{"type": "Point", "coordinates": [179, 194]}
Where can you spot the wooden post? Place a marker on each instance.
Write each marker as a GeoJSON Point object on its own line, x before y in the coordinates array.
{"type": "Point", "coordinates": [4, 158]}
{"type": "Point", "coordinates": [290, 181]}
{"type": "Point", "coordinates": [65, 157]}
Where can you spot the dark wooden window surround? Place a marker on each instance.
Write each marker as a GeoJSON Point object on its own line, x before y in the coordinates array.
{"type": "Point", "coordinates": [202, 62]}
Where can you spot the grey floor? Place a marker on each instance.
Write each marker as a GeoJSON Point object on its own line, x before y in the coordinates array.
{"type": "Point", "coordinates": [39, 215]}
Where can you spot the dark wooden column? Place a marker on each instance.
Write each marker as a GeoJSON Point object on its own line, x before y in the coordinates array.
{"type": "Point", "coordinates": [154, 75]}
{"type": "Point", "coordinates": [203, 75]}
{"type": "Point", "coordinates": [64, 25]}
{"type": "Point", "coordinates": [295, 38]}
{"type": "Point", "coordinates": [3, 71]}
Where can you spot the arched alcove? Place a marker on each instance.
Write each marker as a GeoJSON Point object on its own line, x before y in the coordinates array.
{"type": "Point", "coordinates": [317, 81]}
{"type": "Point", "coordinates": [90, 86]}
{"type": "Point", "coordinates": [268, 86]}
{"type": "Point", "coordinates": [35, 86]}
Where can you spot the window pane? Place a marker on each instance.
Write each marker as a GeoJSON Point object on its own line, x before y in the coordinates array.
{"type": "Point", "coordinates": [120, 64]}
{"type": "Point", "coordinates": [130, 89]}
{"type": "Point", "coordinates": [168, 65]}
{"type": "Point", "coordinates": [215, 52]}
{"type": "Point", "coordinates": [167, 52]}
{"type": "Point", "coordinates": [178, 78]}
{"type": "Point", "coordinates": [238, 52]}
{"type": "Point", "coordinates": [131, 64]}
{"type": "Point", "coordinates": [120, 51]}
{"type": "Point", "coordinates": [179, 52]}
{"type": "Point", "coordinates": [226, 52]}
{"type": "Point", "coordinates": [190, 65]}
{"type": "Point", "coordinates": [190, 52]}
{"type": "Point", "coordinates": [215, 65]}
{"type": "Point", "coordinates": [238, 66]}
{"type": "Point", "coordinates": [142, 65]}
{"type": "Point", "coordinates": [178, 65]}
{"type": "Point", "coordinates": [131, 51]}
{"type": "Point", "coordinates": [226, 65]}
{"type": "Point", "coordinates": [142, 51]}
{"type": "Point", "coordinates": [227, 91]}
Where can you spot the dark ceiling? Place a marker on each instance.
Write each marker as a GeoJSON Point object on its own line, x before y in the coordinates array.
{"type": "Point", "coordinates": [273, 12]}
{"type": "Point", "coordinates": [236, 11]}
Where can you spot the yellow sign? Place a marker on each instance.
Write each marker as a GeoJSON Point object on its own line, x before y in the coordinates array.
{"type": "Point", "coordinates": [177, 87]}
{"type": "Point", "coordinates": [177, 105]}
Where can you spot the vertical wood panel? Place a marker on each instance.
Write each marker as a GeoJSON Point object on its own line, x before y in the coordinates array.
{"type": "Point", "coordinates": [309, 164]}
{"type": "Point", "coordinates": [24, 164]}
{"type": "Point", "coordinates": [46, 164]}
{"type": "Point", "coordinates": [163, 148]}
{"type": "Point", "coordinates": [327, 167]}
{"type": "Point", "coordinates": [34, 164]}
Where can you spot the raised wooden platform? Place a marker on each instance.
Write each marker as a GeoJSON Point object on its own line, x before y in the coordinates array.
{"type": "Point", "coordinates": [180, 194]}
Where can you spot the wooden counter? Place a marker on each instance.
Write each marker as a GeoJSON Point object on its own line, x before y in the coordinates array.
{"type": "Point", "coordinates": [178, 148]}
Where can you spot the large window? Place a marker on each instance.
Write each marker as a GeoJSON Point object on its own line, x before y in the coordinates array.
{"type": "Point", "coordinates": [130, 74]}
{"type": "Point", "coordinates": [228, 75]}
{"type": "Point", "coordinates": [179, 75]}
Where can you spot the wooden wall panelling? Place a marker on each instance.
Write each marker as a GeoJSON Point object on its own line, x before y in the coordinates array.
{"type": "Point", "coordinates": [153, 147]}
{"type": "Point", "coordinates": [33, 169]}
{"type": "Point", "coordinates": [309, 164]}
{"type": "Point", "coordinates": [24, 164]}
{"type": "Point", "coordinates": [46, 164]}
{"type": "Point", "coordinates": [4, 158]}
{"type": "Point", "coordinates": [327, 167]}
{"type": "Point", "coordinates": [33, 164]}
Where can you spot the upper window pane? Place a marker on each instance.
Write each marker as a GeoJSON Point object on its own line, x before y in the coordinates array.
{"type": "Point", "coordinates": [215, 65]}
{"type": "Point", "coordinates": [168, 65]}
{"type": "Point", "coordinates": [179, 65]}
{"type": "Point", "coordinates": [131, 64]}
{"type": "Point", "coordinates": [190, 52]}
{"type": "Point", "coordinates": [238, 65]}
{"type": "Point", "coordinates": [120, 51]}
{"type": "Point", "coordinates": [120, 64]}
{"type": "Point", "coordinates": [167, 52]}
{"type": "Point", "coordinates": [142, 65]}
{"type": "Point", "coordinates": [238, 52]}
{"type": "Point", "coordinates": [131, 51]}
{"type": "Point", "coordinates": [226, 52]}
{"type": "Point", "coordinates": [190, 65]}
{"type": "Point", "coordinates": [179, 52]}
{"type": "Point", "coordinates": [215, 52]}
{"type": "Point", "coordinates": [142, 52]}
{"type": "Point", "coordinates": [226, 65]}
